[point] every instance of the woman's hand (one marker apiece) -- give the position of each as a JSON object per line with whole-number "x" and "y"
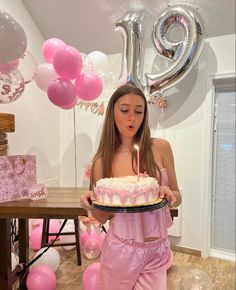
{"x": 168, "y": 194}
{"x": 86, "y": 200}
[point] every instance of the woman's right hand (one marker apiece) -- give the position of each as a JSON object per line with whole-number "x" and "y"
{"x": 86, "y": 200}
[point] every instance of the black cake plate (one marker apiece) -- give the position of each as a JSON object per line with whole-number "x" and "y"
{"x": 159, "y": 203}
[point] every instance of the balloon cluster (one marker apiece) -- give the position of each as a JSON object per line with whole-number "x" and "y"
{"x": 67, "y": 75}
{"x": 17, "y": 65}
{"x": 42, "y": 275}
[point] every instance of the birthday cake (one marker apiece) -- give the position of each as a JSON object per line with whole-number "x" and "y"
{"x": 127, "y": 191}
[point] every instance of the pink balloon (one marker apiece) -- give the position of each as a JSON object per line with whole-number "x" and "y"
{"x": 50, "y": 47}
{"x": 90, "y": 279}
{"x": 88, "y": 86}
{"x": 72, "y": 105}
{"x": 54, "y": 227}
{"x": 42, "y": 277}
{"x": 67, "y": 62}
{"x": 40, "y": 268}
{"x": 101, "y": 238}
{"x": 85, "y": 236}
{"x": 61, "y": 92}
{"x": 35, "y": 238}
{"x": 91, "y": 248}
{"x": 9, "y": 66}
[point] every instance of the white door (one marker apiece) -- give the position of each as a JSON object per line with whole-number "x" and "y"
{"x": 223, "y": 172}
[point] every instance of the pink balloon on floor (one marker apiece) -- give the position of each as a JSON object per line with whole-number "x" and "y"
{"x": 50, "y": 47}
{"x": 85, "y": 236}
{"x": 35, "y": 238}
{"x": 90, "y": 279}
{"x": 91, "y": 248}
{"x": 101, "y": 238}
{"x": 42, "y": 277}
{"x": 88, "y": 86}
{"x": 54, "y": 227}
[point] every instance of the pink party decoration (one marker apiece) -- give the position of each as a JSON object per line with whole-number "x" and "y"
{"x": 50, "y": 47}
{"x": 90, "y": 279}
{"x": 61, "y": 92}
{"x": 85, "y": 236}
{"x": 12, "y": 86}
{"x": 91, "y": 248}
{"x": 54, "y": 227}
{"x": 35, "y": 238}
{"x": 88, "y": 86}
{"x": 67, "y": 62}
{"x": 101, "y": 238}
{"x": 42, "y": 277}
{"x": 72, "y": 105}
{"x": 9, "y": 66}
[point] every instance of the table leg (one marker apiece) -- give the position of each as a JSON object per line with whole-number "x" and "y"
{"x": 23, "y": 249}
{"x": 5, "y": 254}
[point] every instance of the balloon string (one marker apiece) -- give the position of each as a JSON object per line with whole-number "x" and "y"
{"x": 75, "y": 146}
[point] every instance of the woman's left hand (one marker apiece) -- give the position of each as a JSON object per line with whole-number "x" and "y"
{"x": 168, "y": 194}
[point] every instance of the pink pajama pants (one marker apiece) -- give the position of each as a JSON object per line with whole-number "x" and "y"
{"x": 130, "y": 265}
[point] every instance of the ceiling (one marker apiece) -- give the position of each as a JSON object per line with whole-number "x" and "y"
{"x": 89, "y": 25}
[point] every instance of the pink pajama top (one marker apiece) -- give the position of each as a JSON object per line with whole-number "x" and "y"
{"x": 137, "y": 226}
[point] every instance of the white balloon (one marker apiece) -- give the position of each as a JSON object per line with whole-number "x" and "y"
{"x": 50, "y": 258}
{"x": 44, "y": 74}
{"x": 98, "y": 59}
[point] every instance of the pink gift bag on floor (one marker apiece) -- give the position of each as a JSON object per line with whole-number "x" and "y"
{"x": 17, "y": 174}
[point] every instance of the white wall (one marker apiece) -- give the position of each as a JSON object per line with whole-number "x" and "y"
{"x": 36, "y": 119}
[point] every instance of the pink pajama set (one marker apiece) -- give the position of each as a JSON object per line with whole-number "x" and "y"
{"x": 129, "y": 263}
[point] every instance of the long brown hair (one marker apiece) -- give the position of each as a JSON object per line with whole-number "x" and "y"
{"x": 111, "y": 140}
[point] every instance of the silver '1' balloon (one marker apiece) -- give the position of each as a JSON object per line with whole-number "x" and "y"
{"x": 183, "y": 53}
{"x": 131, "y": 25}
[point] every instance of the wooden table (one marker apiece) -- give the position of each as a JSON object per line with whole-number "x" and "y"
{"x": 62, "y": 203}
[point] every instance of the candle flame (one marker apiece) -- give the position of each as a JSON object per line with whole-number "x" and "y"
{"x": 136, "y": 147}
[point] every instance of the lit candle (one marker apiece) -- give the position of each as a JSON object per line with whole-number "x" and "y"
{"x": 138, "y": 160}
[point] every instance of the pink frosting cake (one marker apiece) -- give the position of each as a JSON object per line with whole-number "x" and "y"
{"x": 127, "y": 191}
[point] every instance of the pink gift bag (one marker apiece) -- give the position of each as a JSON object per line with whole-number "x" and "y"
{"x": 17, "y": 174}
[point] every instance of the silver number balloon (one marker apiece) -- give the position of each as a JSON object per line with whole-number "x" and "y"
{"x": 183, "y": 53}
{"x": 131, "y": 27}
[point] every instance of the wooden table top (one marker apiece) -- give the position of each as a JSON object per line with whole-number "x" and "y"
{"x": 62, "y": 202}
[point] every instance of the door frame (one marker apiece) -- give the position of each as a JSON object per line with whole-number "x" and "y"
{"x": 213, "y": 81}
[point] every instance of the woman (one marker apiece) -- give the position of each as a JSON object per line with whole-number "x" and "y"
{"x": 127, "y": 263}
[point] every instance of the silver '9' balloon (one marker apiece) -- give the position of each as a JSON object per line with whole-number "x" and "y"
{"x": 131, "y": 27}
{"x": 183, "y": 53}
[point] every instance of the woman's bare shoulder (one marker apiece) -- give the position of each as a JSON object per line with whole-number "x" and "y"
{"x": 160, "y": 144}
